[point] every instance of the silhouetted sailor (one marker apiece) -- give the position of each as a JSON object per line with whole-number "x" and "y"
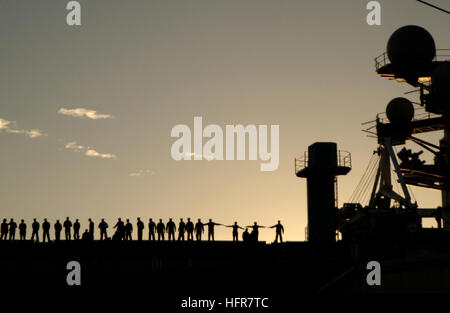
{"x": 120, "y": 232}
{"x": 235, "y": 231}
{"x": 12, "y": 229}
{"x": 171, "y": 229}
{"x": 161, "y": 229}
{"x": 255, "y": 231}
{"x": 35, "y": 227}
{"x": 67, "y": 227}
{"x": 211, "y": 225}
{"x": 128, "y": 230}
{"x": 58, "y": 229}
{"x": 140, "y": 228}
{"x": 91, "y": 229}
{"x": 103, "y": 226}
{"x": 279, "y": 231}
{"x": 246, "y": 236}
{"x": 76, "y": 230}
{"x": 199, "y": 229}
{"x": 151, "y": 230}
{"x": 86, "y": 235}
{"x": 22, "y": 230}
{"x": 181, "y": 230}
{"x": 190, "y": 229}
{"x": 45, "y": 230}
{"x": 4, "y": 230}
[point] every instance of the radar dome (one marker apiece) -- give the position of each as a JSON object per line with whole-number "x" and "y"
{"x": 440, "y": 78}
{"x": 411, "y": 44}
{"x": 400, "y": 110}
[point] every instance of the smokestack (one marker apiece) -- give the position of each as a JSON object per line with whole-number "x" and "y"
{"x": 324, "y": 162}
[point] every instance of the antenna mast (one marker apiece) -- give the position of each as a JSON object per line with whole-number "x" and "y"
{"x": 434, "y": 6}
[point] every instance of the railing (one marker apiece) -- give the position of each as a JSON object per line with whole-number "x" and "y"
{"x": 344, "y": 159}
{"x": 381, "y": 61}
{"x": 441, "y": 55}
{"x": 419, "y": 114}
{"x": 301, "y": 162}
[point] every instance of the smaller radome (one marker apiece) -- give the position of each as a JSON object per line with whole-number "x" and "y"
{"x": 400, "y": 110}
{"x": 411, "y": 44}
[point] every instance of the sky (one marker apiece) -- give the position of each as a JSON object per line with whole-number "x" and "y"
{"x": 86, "y": 111}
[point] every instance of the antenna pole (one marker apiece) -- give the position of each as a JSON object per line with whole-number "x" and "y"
{"x": 433, "y": 6}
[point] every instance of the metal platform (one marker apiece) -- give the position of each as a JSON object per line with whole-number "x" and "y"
{"x": 344, "y": 163}
{"x": 421, "y": 72}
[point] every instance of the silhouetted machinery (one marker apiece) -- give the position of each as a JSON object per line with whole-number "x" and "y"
{"x": 389, "y": 215}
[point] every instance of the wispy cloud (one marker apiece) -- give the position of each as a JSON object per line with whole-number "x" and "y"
{"x": 93, "y": 153}
{"x": 34, "y": 133}
{"x": 84, "y": 113}
{"x": 31, "y": 133}
{"x": 72, "y": 145}
{"x": 141, "y": 173}
{"x": 4, "y": 124}
{"x": 88, "y": 151}
{"x": 10, "y": 127}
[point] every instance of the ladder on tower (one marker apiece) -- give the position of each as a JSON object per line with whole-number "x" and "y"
{"x": 336, "y": 202}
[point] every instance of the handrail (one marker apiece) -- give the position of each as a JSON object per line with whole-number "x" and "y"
{"x": 441, "y": 55}
{"x": 301, "y": 162}
{"x": 344, "y": 159}
{"x": 419, "y": 115}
